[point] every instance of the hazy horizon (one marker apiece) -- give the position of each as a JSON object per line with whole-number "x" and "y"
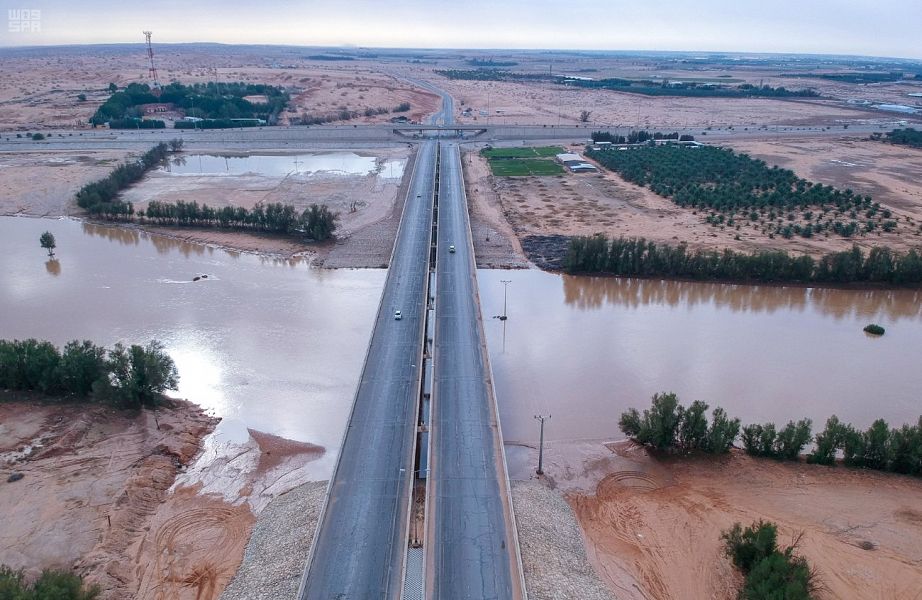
{"x": 884, "y": 29}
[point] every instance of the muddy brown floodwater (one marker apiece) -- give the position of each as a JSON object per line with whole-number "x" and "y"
{"x": 584, "y": 349}
{"x": 269, "y": 345}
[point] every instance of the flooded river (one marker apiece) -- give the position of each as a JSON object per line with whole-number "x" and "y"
{"x": 270, "y": 345}
{"x": 278, "y": 347}
{"x": 584, "y": 349}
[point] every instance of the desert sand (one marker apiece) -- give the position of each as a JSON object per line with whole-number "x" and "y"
{"x": 39, "y": 88}
{"x": 43, "y": 184}
{"x": 549, "y": 104}
{"x": 652, "y": 525}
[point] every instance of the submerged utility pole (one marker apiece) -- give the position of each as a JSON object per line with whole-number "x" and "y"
{"x": 505, "y": 283}
{"x": 540, "y": 470}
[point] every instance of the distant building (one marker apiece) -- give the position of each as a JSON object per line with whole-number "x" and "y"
{"x": 153, "y": 108}
{"x": 575, "y": 163}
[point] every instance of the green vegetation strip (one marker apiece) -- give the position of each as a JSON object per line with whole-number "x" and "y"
{"x": 669, "y": 426}
{"x": 521, "y": 162}
{"x": 647, "y": 87}
{"x": 131, "y": 377}
{"x": 638, "y": 257}
{"x": 524, "y": 166}
{"x": 539, "y": 152}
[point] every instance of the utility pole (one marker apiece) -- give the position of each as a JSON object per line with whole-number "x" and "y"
{"x": 505, "y": 283}
{"x": 540, "y": 470}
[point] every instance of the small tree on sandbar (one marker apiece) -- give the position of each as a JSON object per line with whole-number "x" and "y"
{"x": 48, "y": 243}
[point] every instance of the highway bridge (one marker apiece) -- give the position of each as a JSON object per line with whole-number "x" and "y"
{"x": 363, "y": 546}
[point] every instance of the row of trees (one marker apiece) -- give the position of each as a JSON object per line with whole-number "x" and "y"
{"x": 638, "y": 257}
{"x": 720, "y": 179}
{"x": 51, "y": 584}
{"x": 216, "y": 124}
{"x": 638, "y": 137}
{"x": 136, "y": 123}
{"x": 316, "y": 222}
{"x": 101, "y": 197}
{"x": 693, "y": 89}
{"x": 879, "y": 447}
{"x": 132, "y": 376}
{"x": 771, "y": 572}
{"x": 668, "y": 425}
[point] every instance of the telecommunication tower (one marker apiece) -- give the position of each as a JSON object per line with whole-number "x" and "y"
{"x": 152, "y": 70}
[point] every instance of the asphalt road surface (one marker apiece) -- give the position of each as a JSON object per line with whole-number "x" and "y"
{"x": 471, "y": 545}
{"x": 361, "y": 542}
{"x": 339, "y": 136}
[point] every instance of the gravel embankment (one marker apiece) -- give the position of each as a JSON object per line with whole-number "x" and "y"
{"x": 553, "y": 554}
{"x": 278, "y": 549}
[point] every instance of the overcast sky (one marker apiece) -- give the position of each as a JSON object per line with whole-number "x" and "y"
{"x": 866, "y": 27}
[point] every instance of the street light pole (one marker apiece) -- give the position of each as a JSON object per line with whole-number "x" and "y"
{"x": 540, "y": 470}
{"x": 505, "y": 283}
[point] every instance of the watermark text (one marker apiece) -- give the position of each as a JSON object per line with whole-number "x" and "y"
{"x": 24, "y": 20}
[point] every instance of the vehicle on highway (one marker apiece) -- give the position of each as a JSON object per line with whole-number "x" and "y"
{"x": 451, "y": 248}
{"x": 397, "y": 315}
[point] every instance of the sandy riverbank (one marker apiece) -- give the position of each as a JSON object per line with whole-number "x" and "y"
{"x": 652, "y": 525}
{"x": 130, "y": 501}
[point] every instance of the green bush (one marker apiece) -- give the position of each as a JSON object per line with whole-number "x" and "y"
{"x": 874, "y": 329}
{"x": 771, "y": 573}
{"x": 658, "y": 425}
{"x": 780, "y": 576}
{"x": 790, "y": 441}
{"x": 759, "y": 440}
{"x": 722, "y": 433}
{"x": 827, "y": 442}
{"x": 748, "y": 546}
{"x": 667, "y": 425}
{"x": 52, "y": 584}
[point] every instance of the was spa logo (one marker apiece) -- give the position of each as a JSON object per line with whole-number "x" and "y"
{"x": 24, "y": 20}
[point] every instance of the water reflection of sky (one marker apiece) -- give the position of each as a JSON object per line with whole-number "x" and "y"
{"x": 585, "y": 349}
{"x": 338, "y": 163}
{"x": 267, "y": 344}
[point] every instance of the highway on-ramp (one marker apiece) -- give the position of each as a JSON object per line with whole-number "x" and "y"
{"x": 360, "y": 545}
{"x": 472, "y": 551}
